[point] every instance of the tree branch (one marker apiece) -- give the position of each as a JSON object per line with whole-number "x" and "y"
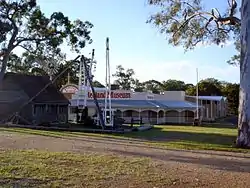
{"x": 18, "y": 42}
{"x": 26, "y": 49}
{"x": 229, "y": 20}
{"x": 15, "y": 30}
{"x": 10, "y": 46}
{"x": 226, "y": 21}
{"x": 233, "y": 6}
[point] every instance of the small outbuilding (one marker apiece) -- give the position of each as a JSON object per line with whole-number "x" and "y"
{"x": 31, "y": 99}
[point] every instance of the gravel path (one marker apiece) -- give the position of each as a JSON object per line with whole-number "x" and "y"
{"x": 208, "y": 168}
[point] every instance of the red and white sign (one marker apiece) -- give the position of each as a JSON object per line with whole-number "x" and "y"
{"x": 69, "y": 89}
{"x": 114, "y": 95}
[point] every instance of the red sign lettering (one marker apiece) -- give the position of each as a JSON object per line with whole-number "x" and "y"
{"x": 113, "y": 95}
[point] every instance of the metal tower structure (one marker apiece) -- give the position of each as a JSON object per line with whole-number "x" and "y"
{"x": 83, "y": 82}
{"x": 108, "y": 112}
{"x": 197, "y": 94}
{"x": 88, "y": 78}
{"x": 106, "y": 116}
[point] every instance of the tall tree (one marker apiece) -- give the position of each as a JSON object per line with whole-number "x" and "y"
{"x": 186, "y": 23}
{"x": 24, "y": 25}
{"x": 138, "y": 86}
{"x": 27, "y": 64}
{"x": 98, "y": 84}
{"x": 71, "y": 72}
{"x": 243, "y": 139}
{"x": 124, "y": 78}
{"x": 231, "y": 92}
{"x": 154, "y": 86}
{"x": 189, "y": 89}
{"x": 207, "y": 87}
{"x": 174, "y": 85}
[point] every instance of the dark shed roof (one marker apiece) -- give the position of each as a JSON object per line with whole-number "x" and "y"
{"x": 31, "y": 85}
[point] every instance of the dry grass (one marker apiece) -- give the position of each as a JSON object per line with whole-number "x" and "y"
{"x": 46, "y": 169}
{"x": 94, "y": 161}
{"x": 173, "y": 137}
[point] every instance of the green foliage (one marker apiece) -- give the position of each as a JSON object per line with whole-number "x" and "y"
{"x": 71, "y": 72}
{"x": 124, "y": 78}
{"x": 23, "y": 24}
{"x": 139, "y": 87}
{"x": 232, "y": 92}
{"x": 28, "y": 65}
{"x": 174, "y": 85}
{"x": 207, "y": 87}
{"x": 97, "y": 84}
{"x": 153, "y": 85}
{"x": 15, "y": 64}
{"x": 235, "y": 60}
{"x": 211, "y": 86}
{"x": 187, "y": 23}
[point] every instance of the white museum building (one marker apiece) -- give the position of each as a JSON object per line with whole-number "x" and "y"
{"x": 168, "y": 107}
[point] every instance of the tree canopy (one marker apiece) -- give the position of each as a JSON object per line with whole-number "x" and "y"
{"x": 24, "y": 25}
{"x": 207, "y": 87}
{"x": 188, "y": 23}
{"x": 124, "y": 78}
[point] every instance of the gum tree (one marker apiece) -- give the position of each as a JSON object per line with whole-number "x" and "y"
{"x": 188, "y": 23}
{"x": 24, "y": 25}
{"x": 243, "y": 139}
{"x": 124, "y": 77}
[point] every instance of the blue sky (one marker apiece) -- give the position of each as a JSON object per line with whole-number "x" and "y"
{"x": 135, "y": 44}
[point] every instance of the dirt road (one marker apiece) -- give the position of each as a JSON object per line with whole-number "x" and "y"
{"x": 210, "y": 168}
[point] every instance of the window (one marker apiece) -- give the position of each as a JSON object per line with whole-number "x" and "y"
{"x": 52, "y": 109}
{"x": 128, "y": 113}
{"x": 63, "y": 109}
{"x": 150, "y": 97}
{"x": 39, "y": 109}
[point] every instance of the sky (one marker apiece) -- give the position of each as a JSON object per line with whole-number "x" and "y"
{"x": 138, "y": 45}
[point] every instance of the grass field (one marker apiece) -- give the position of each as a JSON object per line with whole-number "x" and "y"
{"x": 116, "y": 165}
{"x": 45, "y": 169}
{"x": 217, "y": 137}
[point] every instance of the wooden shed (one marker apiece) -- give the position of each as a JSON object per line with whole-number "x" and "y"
{"x": 21, "y": 94}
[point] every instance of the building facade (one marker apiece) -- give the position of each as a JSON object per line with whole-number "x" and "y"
{"x": 33, "y": 99}
{"x": 214, "y": 107}
{"x": 168, "y": 107}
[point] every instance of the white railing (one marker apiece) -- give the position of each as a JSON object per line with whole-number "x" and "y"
{"x": 161, "y": 120}
{"x": 152, "y": 120}
{"x": 72, "y": 117}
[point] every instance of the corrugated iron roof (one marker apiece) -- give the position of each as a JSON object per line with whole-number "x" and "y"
{"x": 209, "y": 98}
{"x": 117, "y": 103}
{"x": 140, "y": 103}
{"x": 31, "y": 85}
{"x": 178, "y": 104}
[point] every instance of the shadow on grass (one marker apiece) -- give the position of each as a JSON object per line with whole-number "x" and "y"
{"x": 212, "y": 160}
{"x": 24, "y": 182}
{"x": 219, "y": 125}
{"x": 211, "y": 125}
{"x": 157, "y": 134}
{"x": 231, "y": 165}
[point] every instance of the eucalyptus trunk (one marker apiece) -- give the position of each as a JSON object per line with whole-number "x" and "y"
{"x": 4, "y": 65}
{"x": 243, "y": 139}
